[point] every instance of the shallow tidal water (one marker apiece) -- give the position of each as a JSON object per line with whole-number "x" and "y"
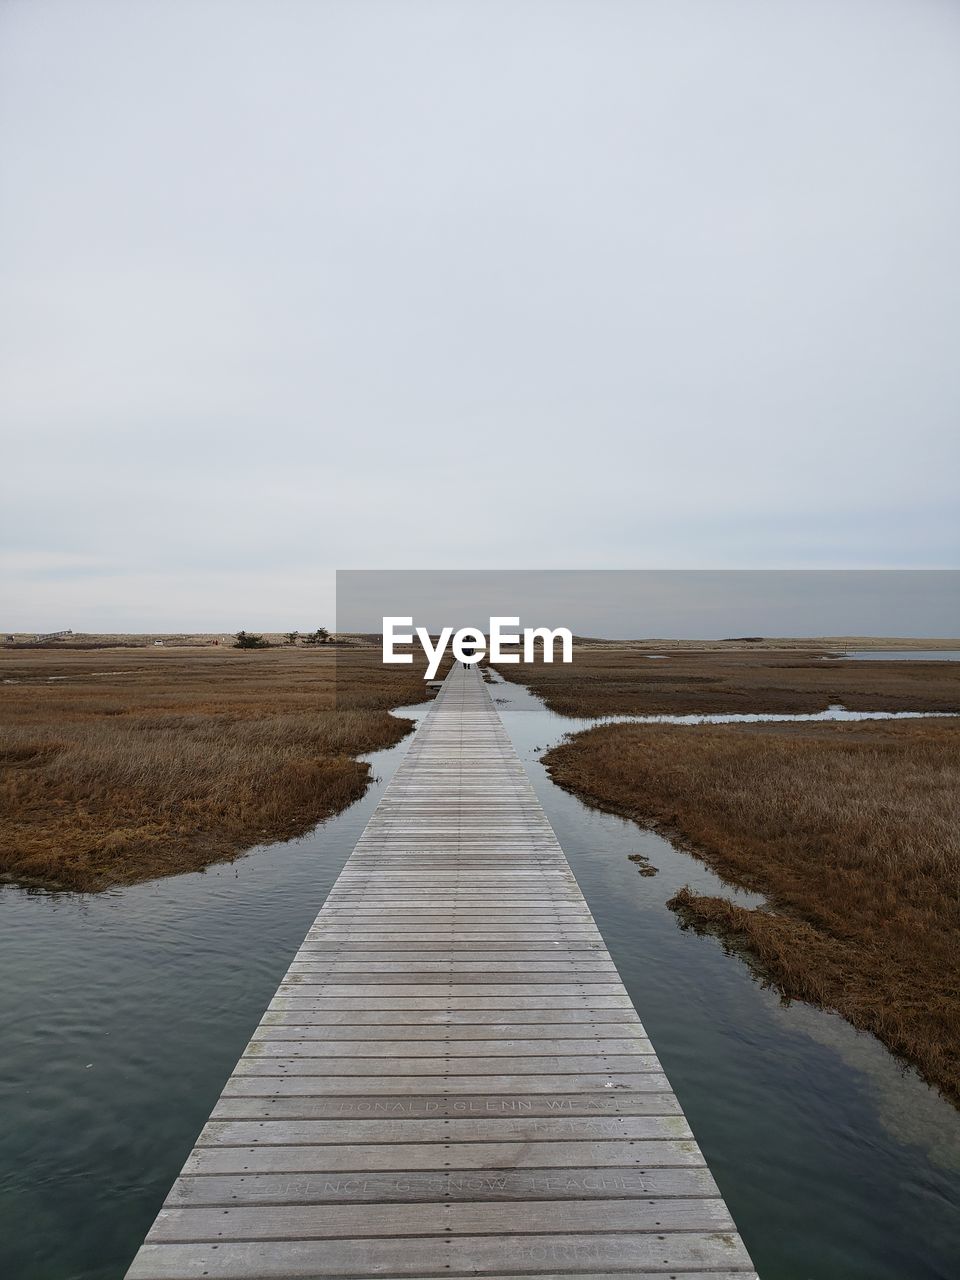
{"x": 121, "y": 1015}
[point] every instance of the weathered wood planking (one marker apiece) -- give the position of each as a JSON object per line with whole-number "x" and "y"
{"x": 451, "y": 1079}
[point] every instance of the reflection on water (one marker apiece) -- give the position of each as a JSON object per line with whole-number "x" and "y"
{"x": 123, "y": 1013}
{"x": 913, "y": 1116}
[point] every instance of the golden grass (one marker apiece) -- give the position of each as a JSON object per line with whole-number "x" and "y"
{"x": 121, "y": 765}
{"x": 606, "y": 681}
{"x": 852, "y": 831}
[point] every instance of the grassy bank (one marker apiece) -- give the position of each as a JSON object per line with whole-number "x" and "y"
{"x": 607, "y": 680}
{"x": 120, "y": 765}
{"x": 852, "y": 831}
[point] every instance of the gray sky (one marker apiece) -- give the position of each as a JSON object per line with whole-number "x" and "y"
{"x": 289, "y": 286}
{"x": 639, "y": 603}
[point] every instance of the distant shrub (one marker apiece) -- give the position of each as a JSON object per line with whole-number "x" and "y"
{"x": 246, "y": 640}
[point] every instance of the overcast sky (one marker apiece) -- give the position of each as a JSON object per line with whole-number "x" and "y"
{"x": 291, "y": 285}
{"x": 642, "y": 604}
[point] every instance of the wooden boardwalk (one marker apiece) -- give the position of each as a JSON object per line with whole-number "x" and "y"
{"x": 451, "y": 1079}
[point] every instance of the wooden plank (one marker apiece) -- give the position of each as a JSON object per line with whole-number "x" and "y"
{"x": 578, "y": 1254}
{"x": 256, "y": 1063}
{"x": 251, "y": 1085}
{"x": 372, "y": 1157}
{"x": 360, "y": 948}
{"x": 301, "y": 1131}
{"x": 451, "y": 1105}
{"x": 301, "y": 997}
{"x": 415, "y": 1185}
{"x": 394, "y": 1041}
{"x": 505, "y": 991}
{"x": 451, "y": 1079}
{"x": 399, "y": 1218}
{"x": 300, "y": 1039}
{"x": 386, "y": 973}
{"x": 433, "y": 1021}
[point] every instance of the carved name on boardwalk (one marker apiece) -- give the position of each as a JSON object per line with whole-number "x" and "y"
{"x": 451, "y": 1079}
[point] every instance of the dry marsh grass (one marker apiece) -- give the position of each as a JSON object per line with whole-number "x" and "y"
{"x": 117, "y": 766}
{"x": 608, "y": 681}
{"x": 852, "y": 831}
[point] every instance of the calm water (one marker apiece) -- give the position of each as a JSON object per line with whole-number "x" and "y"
{"x": 834, "y": 712}
{"x": 122, "y": 1015}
